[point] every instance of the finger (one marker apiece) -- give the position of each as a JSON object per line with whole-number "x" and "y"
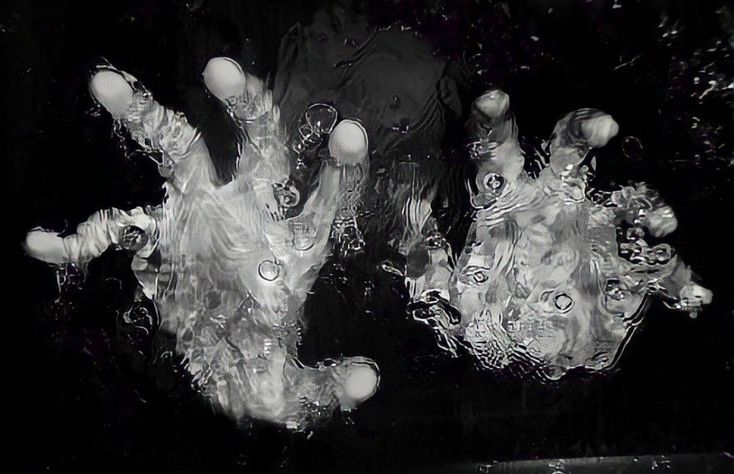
{"x": 225, "y": 79}
{"x": 349, "y": 149}
{"x": 495, "y": 148}
{"x": 153, "y": 126}
{"x": 576, "y": 134}
{"x": 685, "y": 292}
{"x": 45, "y": 246}
{"x": 113, "y": 90}
{"x": 660, "y": 220}
{"x": 641, "y": 205}
{"x": 91, "y": 239}
{"x": 337, "y": 192}
{"x": 491, "y": 117}
{"x": 264, "y": 157}
{"x": 244, "y": 95}
{"x": 357, "y": 379}
{"x": 348, "y": 143}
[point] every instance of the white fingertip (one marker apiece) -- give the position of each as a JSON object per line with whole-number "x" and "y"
{"x": 45, "y": 246}
{"x": 348, "y": 143}
{"x": 224, "y": 78}
{"x": 110, "y": 89}
{"x": 599, "y": 130}
{"x": 494, "y": 103}
{"x": 361, "y": 383}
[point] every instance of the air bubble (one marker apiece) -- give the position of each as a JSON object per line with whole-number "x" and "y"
{"x": 268, "y": 270}
{"x": 494, "y": 183}
{"x": 563, "y": 302}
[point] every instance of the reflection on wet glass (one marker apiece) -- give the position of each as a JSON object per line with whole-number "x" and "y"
{"x": 549, "y": 280}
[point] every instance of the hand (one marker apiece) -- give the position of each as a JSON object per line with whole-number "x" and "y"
{"x": 251, "y": 242}
{"x": 548, "y": 280}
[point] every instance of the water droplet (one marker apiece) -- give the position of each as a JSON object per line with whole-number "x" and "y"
{"x": 268, "y": 270}
{"x": 494, "y": 183}
{"x": 563, "y": 302}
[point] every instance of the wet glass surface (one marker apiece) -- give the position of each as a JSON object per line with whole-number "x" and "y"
{"x": 520, "y": 289}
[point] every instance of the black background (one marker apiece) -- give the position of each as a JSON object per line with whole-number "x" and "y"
{"x": 77, "y": 403}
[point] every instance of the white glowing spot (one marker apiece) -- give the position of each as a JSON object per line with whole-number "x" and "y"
{"x": 224, "y": 78}
{"x": 494, "y": 103}
{"x": 361, "y": 383}
{"x": 111, "y": 90}
{"x": 348, "y": 143}
{"x": 599, "y": 130}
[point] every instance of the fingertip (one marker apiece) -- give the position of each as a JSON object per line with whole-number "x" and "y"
{"x": 348, "y": 142}
{"x": 599, "y": 130}
{"x": 493, "y": 103}
{"x": 224, "y": 78}
{"x": 112, "y": 91}
{"x": 42, "y": 245}
{"x": 361, "y": 383}
{"x": 33, "y": 241}
{"x": 27, "y": 243}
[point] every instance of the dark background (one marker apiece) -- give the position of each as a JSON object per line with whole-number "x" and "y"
{"x": 78, "y": 401}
